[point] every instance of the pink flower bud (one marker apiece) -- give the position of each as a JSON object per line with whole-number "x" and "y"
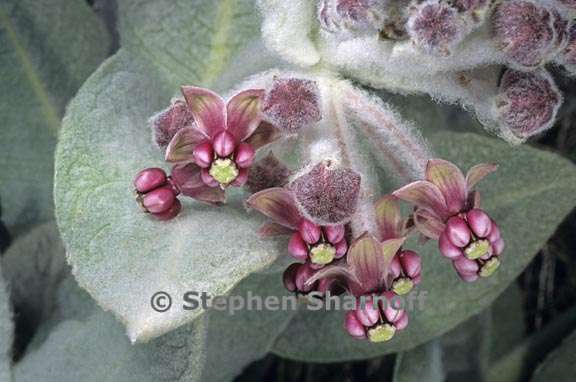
{"x": 369, "y": 314}
{"x": 498, "y": 247}
{"x": 303, "y": 274}
{"x": 341, "y": 248}
{"x": 292, "y": 103}
{"x": 242, "y": 178}
{"x": 327, "y": 194}
{"x": 353, "y": 15}
{"x": 309, "y": 231}
{"x": 207, "y": 178}
{"x": 411, "y": 263}
{"x": 465, "y": 266}
{"x": 435, "y": 27}
{"x": 448, "y": 249}
{"x": 203, "y": 154}
{"x": 159, "y": 200}
{"x": 480, "y": 222}
{"x": 527, "y": 102}
{"x": 224, "y": 143}
{"x": 297, "y": 247}
{"x": 334, "y": 233}
{"x": 524, "y": 31}
{"x": 457, "y": 231}
{"x": 244, "y": 155}
{"x": 149, "y": 179}
{"x": 353, "y": 326}
{"x": 171, "y": 212}
{"x": 289, "y": 277}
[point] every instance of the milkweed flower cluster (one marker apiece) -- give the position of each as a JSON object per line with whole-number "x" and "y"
{"x": 342, "y": 238}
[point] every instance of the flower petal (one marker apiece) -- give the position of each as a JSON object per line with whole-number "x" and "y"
{"x": 273, "y": 229}
{"x": 423, "y": 194}
{"x": 450, "y": 181}
{"x": 388, "y": 217}
{"x": 181, "y": 147}
{"x": 367, "y": 262}
{"x": 264, "y": 134}
{"x": 478, "y": 172}
{"x": 428, "y": 224}
{"x": 244, "y": 113}
{"x": 189, "y": 180}
{"x": 208, "y": 109}
{"x": 278, "y": 204}
{"x": 335, "y": 271}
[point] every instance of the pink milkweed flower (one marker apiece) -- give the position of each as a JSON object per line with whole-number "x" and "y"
{"x": 224, "y": 136}
{"x": 406, "y": 265}
{"x": 308, "y": 241}
{"x": 366, "y": 273}
{"x": 448, "y": 210}
{"x": 157, "y": 194}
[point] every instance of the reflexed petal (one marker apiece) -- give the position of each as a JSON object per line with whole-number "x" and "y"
{"x": 428, "y": 224}
{"x": 336, "y": 271}
{"x": 273, "y": 229}
{"x": 478, "y": 172}
{"x": 278, "y": 204}
{"x": 181, "y": 147}
{"x": 369, "y": 260}
{"x": 244, "y": 113}
{"x": 388, "y": 217}
{"x": 425, "y": 195}
{"x": 208, "y": 109}
{"x": 188, "y": 178}
{"x": 450, "y": 181}
{"x": 264, "y": 134}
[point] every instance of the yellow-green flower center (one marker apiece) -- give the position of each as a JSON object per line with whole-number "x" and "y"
{"x": 489, "y": 267}
{"x": 402, "y": 286}
{"x": 477, "y": 249}
{"x": 223, "y": 170}
{"x": 322, "y": 254}
{"x": 381, "y": 333}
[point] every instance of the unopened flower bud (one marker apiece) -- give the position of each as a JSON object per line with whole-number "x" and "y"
{"x": 525, "y": 32}
{"x": 167, "y": 123}
{"x": 527, "y": 103}
{"x": 156, "y": 194}
{"x": 149, "y": 179}
{"x": 327, "y": 194}
{"x": 292, "y": 103}
{"x": 436, "y": 27}
{"x": 365, "y": 16}
{"x": 295, "y": 278}
{"x": 266, "y": 173}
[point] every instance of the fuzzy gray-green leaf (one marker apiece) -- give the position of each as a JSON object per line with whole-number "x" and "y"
{"x": 48, "y": 48}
